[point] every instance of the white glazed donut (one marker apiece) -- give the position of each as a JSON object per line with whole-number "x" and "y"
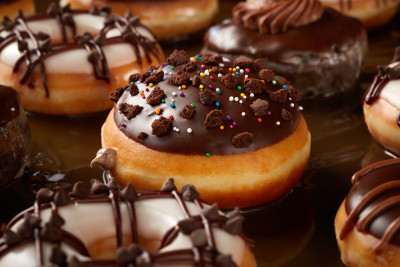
{"x": 109, "y": 225}
{"x": 67, "y": 62}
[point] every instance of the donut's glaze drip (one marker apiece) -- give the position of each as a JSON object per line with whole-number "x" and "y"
{"x": 206, "y": 255}
{"x": 274, "y": 16}
{"x": 42, "y": 48}
{"x": 385, "y": 74}
{"x": 238, "y": 119}
{"x": 373, "y": 203}
{"x": 9, "y": 106}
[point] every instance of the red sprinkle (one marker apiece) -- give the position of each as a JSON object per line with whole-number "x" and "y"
{"x": 171, "y": 117}
{"x": 259, "y": 120}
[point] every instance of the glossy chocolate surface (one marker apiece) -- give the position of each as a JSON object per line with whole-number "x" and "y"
{"x": 9, "y": 105}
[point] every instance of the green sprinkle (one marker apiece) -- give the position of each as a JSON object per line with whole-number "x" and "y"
{"x": 163, "y": 100}
{"x": 193, "y": 105}
{"x": 132, "y": 82}
{"x": 208, "y": 155}
{"x": 172, "y": 67}
{"x": 277, "y": 79}
{"x": 239, "y": 87}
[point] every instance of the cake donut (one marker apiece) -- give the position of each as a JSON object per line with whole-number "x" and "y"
{"x": 381, "y": 105}
{"x": 66, "y": 62}
{"x": 14, "y": 136}
{"x": 167, "y": 19}
{"x": 372, "y": 13}
{"x": 367, "y": 223}
{"x": 12, "y": 7}
{"x": 318, "y": 49}
{"x": 105, "y": 226}
{"x": 233, "y": 129}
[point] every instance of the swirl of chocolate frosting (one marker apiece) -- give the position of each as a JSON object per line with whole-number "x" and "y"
{"x": 276, "y": 16}
{"x": 373, "y": 203}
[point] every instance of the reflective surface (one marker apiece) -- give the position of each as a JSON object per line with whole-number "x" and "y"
{"x": 296, "y": 230}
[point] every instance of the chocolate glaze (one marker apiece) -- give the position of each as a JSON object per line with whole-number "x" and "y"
{"x": 14, "y": 136}
{"x": 373, "y": 203}
{"x": 202, "y": 139}
{"x": 304, "y": 55}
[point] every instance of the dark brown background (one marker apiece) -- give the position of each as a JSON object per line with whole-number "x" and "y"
{"x": 296, "y": 230}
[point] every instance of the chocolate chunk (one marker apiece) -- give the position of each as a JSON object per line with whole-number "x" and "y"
{"x": 294, "y": 94}
{"x": 129, "y": 193}
{"x": 229, "y": 81}
{"x": 105, "y": 158}
{"x": 169, "y": 185}
{"x": 144, "y": 76}
{"x": 56, "y": 219}
{"x": 196, "y": 81}
{"x": 396, "y": 56}
{"x": 188, "y": 112}
{"x": 245, "y": 62}
{"x": 10, "y": 237}
{"x": 179, "y": 78}
{"x": 187, "y": 225}
{"x": 235, "y": 212}
{"x": 100, "y": 40}
{"x": 266, "y": 75}
{"x": 98, "y": 187}
{"x": 224, "y": 260}
{"x": 58, "y": 257}
{"x": 51, "y": 233}
{"x": 286, "y": 115}
{"x": 134, "y": 77}
{"x": 392, "y": 73}
{"x": 80, "y": 190}
{"x": 151, "y": 68}
{"x": 214, "y": 118}
{"x": 254, "y": 86}
{"x": 124, "y": 256}
{"x": 142, "y": 135}
{"x": 208, "y": 59}
{"x": 44, "y": 195}
{"x": 177, "y": 58}
{"x": 221, "y": 70}
{"x": 199, "y": 238}
{"x": 42, "y": 36}
{"x": 133, "y": 89}
{"x": 279, "y": 96}
{"x": 189, "y": 67}
{"x": 61, "y": 197}
{"x": 189, "y": 192}
{"x": 135, "y": 250}
{"x": 112, "y": 184}
{"x": 156, "y": 96}
{"x": 234, "y": 226}
{"x": 161, "y": 126}
{"x": 260, "y": 107}
{"x": 155, "y": 78}
{"x": 242, "y": 140}
{"x": 130, "y": 111}
{"x": 114, "y": 96}
{"x": 208, "y": 96}
{"x": 28, "y": 225}
{"x": 381, "y": 70}
{"x": 45, "y": 46}
{"x": 211, "y": 212}
{"x": 258, "y": 65}
{"x": 94, "y": 10}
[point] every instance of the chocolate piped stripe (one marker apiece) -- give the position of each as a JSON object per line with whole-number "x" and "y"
{"x": 370, "y": 196}
{"x": 181, "y": 204}
{"x": 390, "y": 232}
{"x": 207, "y": 227}
{"x": 38, "y": 243}
{"x": 117, "y": 217}
{"x": 133, "y": 222}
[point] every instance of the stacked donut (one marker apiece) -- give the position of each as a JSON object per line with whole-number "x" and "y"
{"x": 105, "y": 226}
{"x": 12, "y": 7}
{"x": 66, "y": 62}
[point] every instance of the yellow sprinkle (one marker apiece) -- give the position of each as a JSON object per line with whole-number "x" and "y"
{"x": 202, "y": 74}
{"x": 242, "y": 94}
{"x": 158, "y": 111}
{"x": 221, "y": 127}
{"x": 194, "y": 60}
{"x": 201, "y": 86}
{"x": 234, "y": 69}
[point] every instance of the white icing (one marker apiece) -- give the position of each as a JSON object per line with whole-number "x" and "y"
{"x": 391, "y": 91}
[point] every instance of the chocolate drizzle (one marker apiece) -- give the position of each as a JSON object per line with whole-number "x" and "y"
{"x": 36, "y": 47}
{"x": 373, "y": 203}
{"x": 197, "y": 256}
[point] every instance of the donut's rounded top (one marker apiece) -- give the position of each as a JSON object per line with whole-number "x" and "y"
{"x": 373, "y": 203}
{"x": 207, "y": 106}
{"x": 9, "y": 105}
{"x": 275, "y": 16}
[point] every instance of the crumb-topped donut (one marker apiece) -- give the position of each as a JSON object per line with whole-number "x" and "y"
{"x": 382, "y": 105}
{"x": 12, "y": 7}
{"x": 372, "y": 13}
{"x": 318, "y": 49}
{"x": 14, "y": 136}
{"x": 105, "y": 226}
{"x": 233, "y": 129}
{"x": 66, "y": 62}
{"x": 167, "y": 19}
{"x": 368, "y": 221}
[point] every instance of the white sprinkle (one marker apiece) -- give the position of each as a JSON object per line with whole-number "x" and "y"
{"x": 217, "y": 90}
{"x": 236, "y": 99}
{"x": 240, "y": 101}
{"x": 179, "y": 87}
{"x": 237, "y": 68}
{"x": 207, "y": 72}
{"x": 219, "y": 75}
{"x": 300, "y": 108}
{"x": 246, "y": 76}
{"x": 244, "y": 97}
{"x": 243, "y": 114}
{"x": 273, "y": 82}
{"x": 172, "y": 100}
{"x": 176, "y": 129}
{"x": 231, "y": 98}
{"x": 191, "y": 59}
{"x": 170, "y": 73}
{"x": 292, "y": 105}
{"x": 174, "y": 93}
{"x": 12, "y": 109}
{"x": 241, "y": 71}
{"x": 290, "y": 99}
{"x": 251, "y": 95}
{"x": 189, "y": 130}
{"x": 221, "y": 65}
{"x": 278, "y": 123}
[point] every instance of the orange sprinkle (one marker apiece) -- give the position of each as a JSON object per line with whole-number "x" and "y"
{"x": 221, "y": 127}
{"x": 158, "y": 111}
{"x": 183, "y": 86}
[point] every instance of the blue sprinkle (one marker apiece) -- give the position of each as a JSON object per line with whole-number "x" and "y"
{"x": 172, "y": 105}
{"x": 219, "y": 91}
{"x": 237, "y": 73}
{"x": 284, "y": 87}
{"x": 197, "y": 58}
{"x": 127, "y": 89}
{"x": 217, "y": 104}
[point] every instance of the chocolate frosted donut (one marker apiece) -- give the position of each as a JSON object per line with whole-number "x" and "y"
{"x": 14, "y": 136}
{"x": 368, "y": 222}
{"x": 223, "y": 126}
{"x": 318, "y": 49}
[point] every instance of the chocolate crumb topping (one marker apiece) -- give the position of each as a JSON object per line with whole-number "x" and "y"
{"x": 218, "y": 70}
{"x": 295, "y": 94}
{"x": 279, "y": 96}
{"x": 254, "y": 86}
{"x": 169, "y": 185}
{"x": 260, "y": 107}
{"x": 189, "y": 67}
{"x": 129, "y": 110}
{"x": 114, "y": 96}
{"x": 242, "y": 140}
{"x": 229, "y": 81}
{"x": 189, "y": 192}
{"x": 211, "y": 60}
{"x": 177, "y": 58}
{"x": 214, "y": 118}
{"x": 207, "y": 96}
{"x": 188, "y": 112}
{"x": 155, "y": 96}
{"x": 286, "y": 115}
{"x": 187, "y": 225}
{"x": 196, "y": 81}
{"x": 199, "y": 238}
{"x": 266, "y": 75}
{"x": 179, "y": 78}
{"x": 161, "y": 126}
{"x": 245, "y": 62}
{"x": 135, "y": 77}
{"x": 133, "y": 89}
{"x": 142, "y": 135}
{"x": 155, "y": 78}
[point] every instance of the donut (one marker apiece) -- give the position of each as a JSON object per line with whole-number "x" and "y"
{"x": 319, "y": 50}
{"x": 105, "y": 226}
{"x": 381, "y": 105}
{"x": 367, "y": 222}
{"x": 12, "y": 7}
{"x": 14, "y": 136}
{"x": 372, "y": 13}
{"x": 231, "y": 128}
{"x": 66, "y": 62}
{"x": 167, "y": 19}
